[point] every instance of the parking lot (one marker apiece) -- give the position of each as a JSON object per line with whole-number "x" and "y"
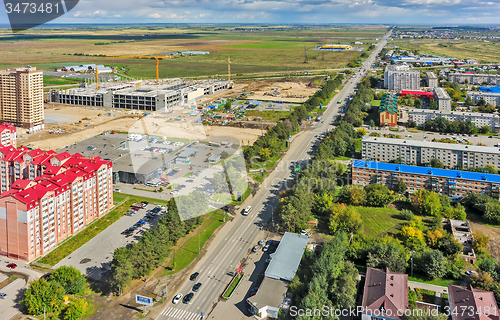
{"x": 94, "y": 258}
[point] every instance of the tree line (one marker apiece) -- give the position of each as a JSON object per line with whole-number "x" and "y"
{"x": 140, "y": 258}
{"x": 441, "y": 124}
{"x": 274, "y": 140}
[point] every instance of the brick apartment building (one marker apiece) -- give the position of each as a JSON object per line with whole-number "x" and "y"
{"x": 422, "y": 152}
{"x": 8, "y": 135}
{"x": 21, "y": 98}
{"x": 47, "y": 197}
{"x": 453, "y": 183}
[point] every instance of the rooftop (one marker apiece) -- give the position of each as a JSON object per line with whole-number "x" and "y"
{"x": 431, "y": 75}
{"x": 450, "y": 174}
{"x": 458, "y": 113}
{"x": 385, "y": 290}
{"x": 430, "y": 144}
{"x": 441, "y": 93}
{"x": 286, "y": 259}
{"x": 270, "y": 293}
{"x": 482, "y": 302}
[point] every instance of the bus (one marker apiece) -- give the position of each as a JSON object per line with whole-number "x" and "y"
{"x": 340, "y": 101}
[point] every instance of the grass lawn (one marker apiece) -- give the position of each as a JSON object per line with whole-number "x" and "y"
{"x": 188, "y": 175}
{"x": 55, "y": 81}
{"x": 378, "y": 220}
{"x": 438, "y": 282}
{"x": 234, "y": 283}
{"x": 342, "y": 158}
{"x": 189, "y": 252}
{"x": 268, "y": 115}
{"x": 143, "y": 189}
{"x": 357, "y": 145}
{"x": 376, "y": 103}
{"x": 224, "y": 198}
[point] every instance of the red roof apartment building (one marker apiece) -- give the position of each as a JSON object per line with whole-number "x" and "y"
{"x": 472, "y": 304}
{"x": 8, "y": 135}
{"x": 385, "y": 295}
{"x": 47, "y": 197}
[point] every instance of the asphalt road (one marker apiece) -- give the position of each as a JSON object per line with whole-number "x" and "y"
{"x": 8, "y": 305}
{"x": 237, "y": 237}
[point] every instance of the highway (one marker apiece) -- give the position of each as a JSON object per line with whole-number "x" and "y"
{"x": 237, "y": 237}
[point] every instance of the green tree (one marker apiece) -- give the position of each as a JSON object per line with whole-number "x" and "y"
{"x": 417, "y": 103}
{"x": 485, "y": 129}
{"x": 426, "y": 202}
{"x": 352, "y": 195}
{"x": 265, "y": 154}
{"x": 227, "y": 105}
{"x": 435, "y": 163}
{"x": 344, "y": 218}
{"x": 121, "y": 269}
{"x": 70, "y": 278}
{"x": 412, "y": 237}
{"x": 431, "y": 263}
{"x": 75, "y": 310}
{"x": 490, "y": 266}
{"x": 378, "y": 195}
{"x": 42, "y": 293}
{"x": 390, "y": 255}
{"x": 400, "y": 187}
{"x": 372, "y": 123}
{"x": 224, "y": 155}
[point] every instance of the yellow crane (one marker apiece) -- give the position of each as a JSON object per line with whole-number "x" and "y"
{"x": 96, "y": 78}
{"x": 157, "y": 62}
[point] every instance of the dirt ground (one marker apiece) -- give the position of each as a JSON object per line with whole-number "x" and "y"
{"x": 287, "y": 90}
{"x": 101, "y": 120}
{"x": 493, "y": 233}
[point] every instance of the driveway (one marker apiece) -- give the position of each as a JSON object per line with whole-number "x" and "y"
{"x": 94, "y": 258}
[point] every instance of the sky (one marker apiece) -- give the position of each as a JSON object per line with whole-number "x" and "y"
{"x": 427, "y": 12}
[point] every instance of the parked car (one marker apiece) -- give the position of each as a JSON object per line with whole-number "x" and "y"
{"x": 196, "y": 287}
{"x": 189, "y": 180}
{"x": 265, "y": 248}
{"x": 188, "y": 298}
{"x": 256, "y": 248}
{"x": 117, "y": 190}
{"x": 194, "y": 276}
{"x": 261, "y": 242}
{"x": 12, "y": 265}
{"x": 175, "y": 192}
{"x": 177, "y": 298}
{"x": 3, "y": 295}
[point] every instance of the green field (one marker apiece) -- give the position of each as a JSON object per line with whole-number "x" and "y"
{"x": 55, "y": 81}
{"x": 379, "y": 220}
{"x": 268, "y": 50}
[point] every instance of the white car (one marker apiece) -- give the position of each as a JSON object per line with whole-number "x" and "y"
{"x": 3, "y": 295}
{"x": 247, "y": 210}
{"x": 175, "y": 192}
{"x": 177, "y": 298}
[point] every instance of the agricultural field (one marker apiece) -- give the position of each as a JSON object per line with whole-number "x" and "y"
{"x": 268, "y": 50}
{"x": 481, "y": 50}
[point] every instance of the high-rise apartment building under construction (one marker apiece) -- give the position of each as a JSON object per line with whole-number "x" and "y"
{"x": 21, "y": 97}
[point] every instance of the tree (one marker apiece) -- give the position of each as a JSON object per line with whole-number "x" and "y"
{"x": 227, "y": 105}
{"x": 121, "y": 269}
{"x": 468, "y": 102}
{"x": 433, "y": 105}
{"x": 456, "y": 213}
{"x": 42, "y": 293}
{"x": 406, "y": 214}
{"x": 372, "y": 123}
{"x": 343, "y": 290}
{"x": 390, "y": 255}
{"x": 431, "y": 263}
{"x": 485, "y": 129}
{"x": 480, "y": 242}
{"x": 426, "y": 202}
{"x": 265, "y": 154}
{"x": 412, "y": 237}
{"x": 490, "y": 266}
{"x": 224, "y": 155}
{"x": 378, "y": 195}
{"x": 417, "y": 103}
{"x": 75, "y": 310}
{"x": 400, "y": 187}
{"x": 436, "y": 163}
{"x": 352, "y": 195}
{"x": 70, "y": 278}
{"x": 344, "y": 218}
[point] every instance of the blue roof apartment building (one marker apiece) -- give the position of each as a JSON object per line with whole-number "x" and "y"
{"x": 454, "y": 183}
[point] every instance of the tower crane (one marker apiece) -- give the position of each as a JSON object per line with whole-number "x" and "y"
{"x": 96, "y": 78}
{"x": 157, "y": 62}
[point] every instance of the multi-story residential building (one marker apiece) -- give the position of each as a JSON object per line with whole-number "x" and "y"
{"x": 400, "y": 77}
{"x": 474, "y": 78}
{"x": 48, "y": 197}
{"x": 492, "y": 98}
{"x": 472, "y": 304}
{"x": 388, "y": 110}
{"x": 21, "y": 97}
{"x": 452, "y": 183}
{"x": 431, "y": 79}
{"x": 385, "y": 295}
{"x": 442, "y": 99}
{"x": 420, "y": 116}
{"x": 8, "y": 135}
{"x": 421, "y": 152}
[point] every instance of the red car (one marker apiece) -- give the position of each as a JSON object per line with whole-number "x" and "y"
{"x": 12, "y": 265}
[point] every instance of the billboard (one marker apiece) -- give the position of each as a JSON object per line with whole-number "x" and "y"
{"x": 144, "y": 300}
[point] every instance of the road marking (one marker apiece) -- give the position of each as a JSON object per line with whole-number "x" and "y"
{"x": 174, "y": 313}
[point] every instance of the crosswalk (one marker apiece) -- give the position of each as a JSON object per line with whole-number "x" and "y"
{"x": 180, "y": 314}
